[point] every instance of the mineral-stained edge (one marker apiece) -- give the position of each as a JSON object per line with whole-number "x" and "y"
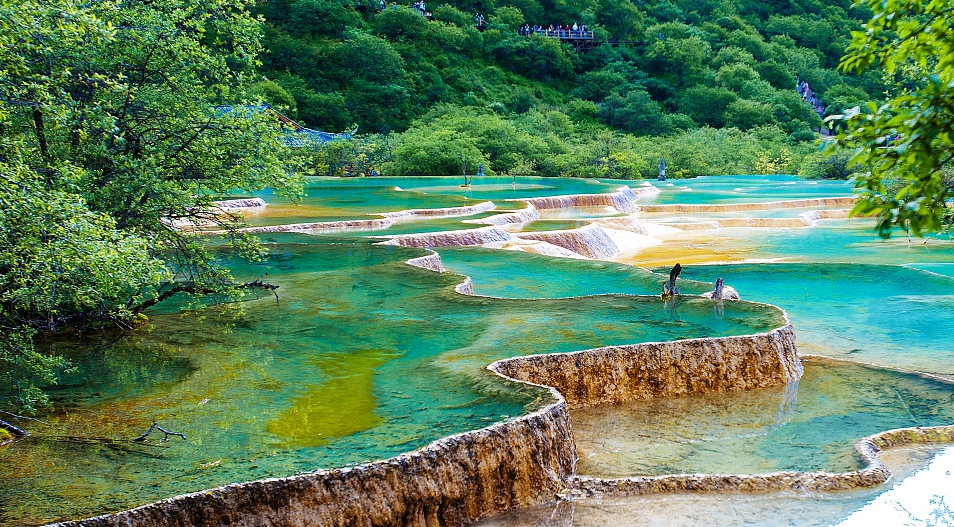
{"x": 452, "y": 481}
{"x": 615, "y": 374}
{"x": 465, "y": 477}
{"x": 868, "y": 448}
{"x": 431, "y": 262}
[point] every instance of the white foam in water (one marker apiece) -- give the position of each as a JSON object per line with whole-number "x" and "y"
{"x": 923, "y": 498}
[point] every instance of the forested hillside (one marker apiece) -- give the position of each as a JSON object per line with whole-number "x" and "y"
{"x": 701, "y": 78}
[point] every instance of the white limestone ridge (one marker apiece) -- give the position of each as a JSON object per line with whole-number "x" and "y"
{"x": 529, "y": 213}
{"x": 446, "y": 212}
{"x": 590, "y": 241}
{"x": 623, "y": 200}
{"x": 244, "y": 203}
{"x": 451, "y": 238}
{"x": 431, "y": 262}
{"x": 541, "y": 248}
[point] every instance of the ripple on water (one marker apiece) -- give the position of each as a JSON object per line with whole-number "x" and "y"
{"x": 811, "y": 425}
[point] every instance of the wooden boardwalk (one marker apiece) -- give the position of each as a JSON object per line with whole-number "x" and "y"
{"x": 583, "y": 40}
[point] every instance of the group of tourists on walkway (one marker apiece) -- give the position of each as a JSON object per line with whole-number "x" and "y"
{"x": 419, "y": 5}
{"x": 574, "y": 31}
{"x": 806, "y": 92}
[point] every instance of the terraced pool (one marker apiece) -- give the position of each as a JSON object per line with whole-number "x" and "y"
{"x": 366, "y": 357}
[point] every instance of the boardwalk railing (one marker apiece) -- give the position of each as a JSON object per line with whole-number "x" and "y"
{"x": 565, "y": 34}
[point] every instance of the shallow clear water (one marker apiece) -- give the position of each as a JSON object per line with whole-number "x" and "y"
{"x": 331, "y": 199}
{"x": 811, "y": 425}
{"x": 883, "y": 314}
{"x": 724, "y": 509}
{"x": 842, "y": 241}
{"x": 364, "y": 358}
{"x": 745, "y": 189}
{"x": 515, "y": 274}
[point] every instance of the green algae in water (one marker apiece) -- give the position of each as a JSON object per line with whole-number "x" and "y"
{"x": 377, "y": 356}
{"x": 811, "y": 425}
{"x": 341, "y": 406}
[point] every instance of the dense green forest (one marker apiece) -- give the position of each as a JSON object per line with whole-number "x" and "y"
{"x": 121, "y": 120}
{"x": 690, "y": 80}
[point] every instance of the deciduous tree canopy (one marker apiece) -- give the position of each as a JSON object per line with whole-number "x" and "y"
{"x": 910, "y": 138}
{"x": 118, "y": 121}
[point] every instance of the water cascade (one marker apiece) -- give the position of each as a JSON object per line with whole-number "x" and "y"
{"x": 541, "y": 248}
{"x": 452, "y": 481}
{"x": 244, "y": 203}
{"x": 445, "y": 452}
{"x": 615, "y": 374}
{"x": 623, "y": 224}
{"x": 521, "y": 216}
{"x": 738, "y": 207}
{"x": 812, "y": 217}
{"x": 446, "y": 212}
{"x": 590, "y": 241}
{"x": 321, "y": 227}
{"x": 451, "y": 238}
{"x": 623, "y": 200}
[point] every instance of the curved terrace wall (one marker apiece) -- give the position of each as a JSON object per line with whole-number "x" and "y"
{"x": 623, "y": 200}
{"x": 736, "y": 207}
{"x": 614, "y": 374}
{"x": 462, "y": 478}
{"x": 465, "y": 477}
{"x": 868, "y": 448}
{"x": 452, "y": 481}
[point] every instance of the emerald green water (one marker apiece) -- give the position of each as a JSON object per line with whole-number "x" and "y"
{"x": 883, "y": 314}
{"x": 331, "y": 199}
{"x": 745, "y": 189}
{"x": 366, "y": 357}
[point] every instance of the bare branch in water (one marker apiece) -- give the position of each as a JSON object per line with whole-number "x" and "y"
{"x": 155, "y": 426}
{"x": 18, "y": 416}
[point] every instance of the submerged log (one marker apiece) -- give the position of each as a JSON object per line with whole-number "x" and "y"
{"x": 669, "y": 288}
{"x": 14, "y": 430}
{"x": 721, "y": 291}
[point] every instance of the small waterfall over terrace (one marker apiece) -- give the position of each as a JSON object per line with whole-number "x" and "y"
{"x": 322, "y": 227}
{"x": 244, "y": 203}
{"x": 541, "y": 248}
{"x": 623, "y": 200}
{"x": 590, "y": 241}
{"x": 623, "y": 224}
{"x": 451, "y": 238}
{"x": 446, "y": 212}
{"x": 739, "y": 207}
{"x": 814, "y": 216}
{"x": 521, "y": 216}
